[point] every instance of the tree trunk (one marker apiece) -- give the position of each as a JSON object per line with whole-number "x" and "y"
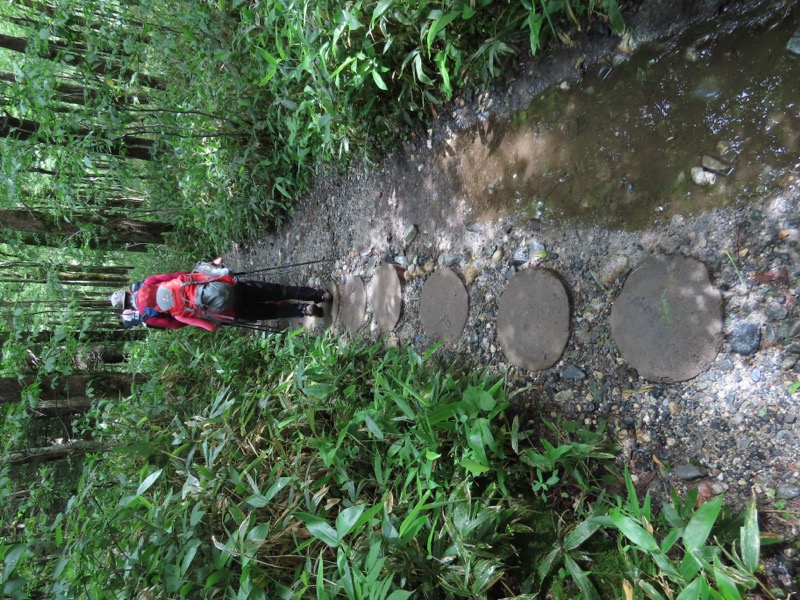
{"x": 119, "y": 234}
{"x": 103, "y": 385}
{"x": 127, "y": 146}
{"x": 75, "y": 94}
{"x": 48, "y": 453}
{"x": 70, "y": 56}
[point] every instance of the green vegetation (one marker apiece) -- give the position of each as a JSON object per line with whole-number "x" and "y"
{"x": 243, "y": 465}
{"x": 298, "y": 467}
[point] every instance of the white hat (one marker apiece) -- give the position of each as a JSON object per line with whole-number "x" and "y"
{"x": 117, "y": 299}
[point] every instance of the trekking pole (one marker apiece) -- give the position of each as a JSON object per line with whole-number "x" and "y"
{"x": 287, "y": 266}
{"x": 251, "y": 326}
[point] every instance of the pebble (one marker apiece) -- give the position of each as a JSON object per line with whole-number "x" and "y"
{"x": 746, "y": 339}
{"x": 787, "y": 491}
{"x": 572, "y": 372}
{"x": 688, "y": 472}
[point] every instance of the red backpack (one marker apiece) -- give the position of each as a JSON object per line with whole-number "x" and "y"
{"x": 210, "y": 297}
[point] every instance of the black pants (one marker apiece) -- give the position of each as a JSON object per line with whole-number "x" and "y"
{"x": 262, "y": 300}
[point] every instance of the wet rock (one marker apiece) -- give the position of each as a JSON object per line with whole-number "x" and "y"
{"x": 708, "y": 90}
{"x": 688, "y": 472}
{"x": 746, "y": 339}
{"x": 793, "y": 45}
{"x": 702, "y": 177}
{"x": 717, "y": 165}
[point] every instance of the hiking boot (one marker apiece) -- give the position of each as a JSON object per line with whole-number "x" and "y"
{"x": 312, "y": 310}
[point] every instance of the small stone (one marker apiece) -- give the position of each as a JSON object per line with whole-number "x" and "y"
{"x": 746, "y": 339}
{"x": 715, "y": 164}
{"x": 725, "y": 365}
{"x": 702, "y": 177}
{"x": 451, "y": 260}
{"x": 755, "y": 375}
{"x": 410, "y": 234}
{"x": 429, "y": 267}
{"x": 470, "y": 274}
{"x": 691, "y": 54}
{"x": 787, "y": 491}
{"x": 793, "y": 45}
{"x": 613, "y": 268}
{"x": 776, "y": 312}
{"x": 497, "y": 257}
{"x": 788, "y": 363}
{"x": 671, "y": 442}
{"x": 674, "y": 408}
{"x": 688, "y": 472}
{"x": 718, "y": 487}
{"x": 563, "y": 396}
{"x": 572, "y": 372}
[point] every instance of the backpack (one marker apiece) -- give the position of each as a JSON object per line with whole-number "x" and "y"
{"x": 199, "y": 295}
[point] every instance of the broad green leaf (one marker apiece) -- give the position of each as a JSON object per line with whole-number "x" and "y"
{"x": 650, "y": 591}
{"x": 699, "y": 526}
{"x": 544, "y": 568}
{"x": 149, "y": 481}
{"x": 581, "y": 533}
{"x": 321, "y": 593}
{"x": 347, "y": 519}
{"x": 474, "y": 467}
{"x": 376, "y": 77}
{"x": 319, "y": 528}
{"x": 750, "y": 538}
{"x": 615, "y": 16}
{"x": 726, "y": 586}
{"x": 399, "y": 595}
{"x": 693, "y": 591}
{"x": 191, "y": 550}
{"x": 440, "y": 23}
{"x": 581, "y": 578}
{"x": 633, "y": 531}
{"x": 320, "y": 390}
{"x": 12, "y": 557}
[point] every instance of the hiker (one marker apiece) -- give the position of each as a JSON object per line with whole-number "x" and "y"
{"x": 210, "y": 296}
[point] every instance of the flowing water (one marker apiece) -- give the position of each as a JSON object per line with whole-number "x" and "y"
{"x": 618, "y": 147}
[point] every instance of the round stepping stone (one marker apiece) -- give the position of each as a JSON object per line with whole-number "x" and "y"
{"x": 667, "y": 320}
{"x": 350, "y": 304}
{"x": 386, "y": 296}
{"x": 533, "y": 319}
{"x": 443, "y": 306}
{"x": 331, "y": 309}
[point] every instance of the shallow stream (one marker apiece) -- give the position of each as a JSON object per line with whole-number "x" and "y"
{"x": 618, "y": 147}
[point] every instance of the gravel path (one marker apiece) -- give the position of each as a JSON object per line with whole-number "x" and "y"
{"x": 732, "y": 429}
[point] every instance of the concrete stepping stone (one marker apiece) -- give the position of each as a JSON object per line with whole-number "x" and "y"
{"x": 667, "y": 320}
{"x": 533, "y": 319}
{"x": 331, "y": 309}
{"x": 443, "y": 306}
{"x": 350, "y": 304}
{"x": 386, "y": 296}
